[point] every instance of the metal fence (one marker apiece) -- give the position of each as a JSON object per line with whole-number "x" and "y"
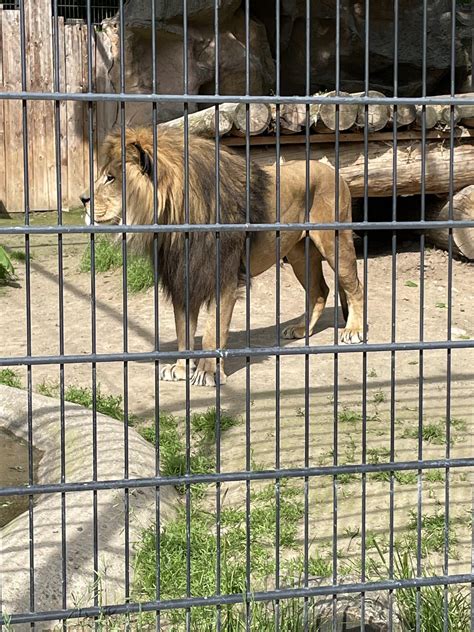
{"x": 279, "y": 591}
{"x": 77, "y": 9}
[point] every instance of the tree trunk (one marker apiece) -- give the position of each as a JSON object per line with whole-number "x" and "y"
{"x": 380, "y": 165}
{"x": 463, "y": 209}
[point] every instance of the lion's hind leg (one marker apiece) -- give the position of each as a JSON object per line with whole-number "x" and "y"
{"x": 348, "y": 280}
{"x": 318, "y": 290}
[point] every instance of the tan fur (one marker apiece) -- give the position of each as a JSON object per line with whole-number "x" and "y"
{"x": 170, "y": 209}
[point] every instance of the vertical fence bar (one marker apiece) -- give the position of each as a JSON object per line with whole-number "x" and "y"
{"x": 90, "y": 145}
{"x": 57, "y": 138}
{"x": 187, "y": 310}
{"x": 336, "y": 314}
{"x": 26, "y": 202}
{"x": 218, "y": 328}
{"x": 277, "y": 615}
{"x": 156, "y": 314}
{"x": 393, "y": 317}
{"x": 248, "y": 463}
{"x": 307, "y": 245}
{"x": 123, "y": 151}
{"x": 365, "y": 242}
{"x": 449, "y": 317}
{"x": 421, "y": 316}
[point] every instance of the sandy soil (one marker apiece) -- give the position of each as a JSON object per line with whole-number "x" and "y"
{"x": 327, "y": 376}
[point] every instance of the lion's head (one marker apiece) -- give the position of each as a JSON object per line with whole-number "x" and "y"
{"x": 108, "y": 186}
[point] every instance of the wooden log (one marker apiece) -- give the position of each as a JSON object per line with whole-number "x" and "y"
{"x": 377, "y": 115}
{"x": 347, "y": 113}
{"x": 203, "y": 122}
{"x": 292, "y": 117}
{"x": 431, "y": 117}
{"x": 463, "y": 209}
{"x": 380, "y": 164}
{"x": 406, "y": 115}
{"x": 259, "y": 119}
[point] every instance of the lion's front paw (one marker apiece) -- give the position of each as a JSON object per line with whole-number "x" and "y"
{"x": 294, "y": 331}
{"x": 175, "y": 372}
{"x": 206, "y": 378}
{"x": 351, "y": 336}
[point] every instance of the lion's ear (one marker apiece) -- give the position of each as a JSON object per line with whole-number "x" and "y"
{"x": 146, "y": 164}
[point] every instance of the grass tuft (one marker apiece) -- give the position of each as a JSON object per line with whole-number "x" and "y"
{"x": 108, "y": 256}
{"x": 205, "y": 423}
{"x": 110, "y": 405}
{"x": 431, "y": 598}
{"x": 8, "y": 377}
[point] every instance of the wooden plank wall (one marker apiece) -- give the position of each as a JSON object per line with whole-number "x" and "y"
{"x": 41, "y": 115}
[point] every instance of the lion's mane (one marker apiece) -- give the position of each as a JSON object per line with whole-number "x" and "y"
{"x": 200, "y": 173}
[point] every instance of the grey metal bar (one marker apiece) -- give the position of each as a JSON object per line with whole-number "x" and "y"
{"x": 233, "y": 353}
{"x": 243, "y": 475}
{"x": 275, "y": 226}
{"x": 196, "y": 602}
{"x": 129, "y": 97}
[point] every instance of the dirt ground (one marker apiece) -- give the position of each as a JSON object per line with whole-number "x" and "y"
{"x": 327, "y": 375}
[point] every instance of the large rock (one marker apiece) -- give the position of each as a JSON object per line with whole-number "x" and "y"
{"x": 138, "y": 12}
{"x": 79, "y": 524}
{"x": 381, "y": 42}
{"x": 201, "y": 47}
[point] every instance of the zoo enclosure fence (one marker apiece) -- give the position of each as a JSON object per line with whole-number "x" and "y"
{"x": 60, "y": 95}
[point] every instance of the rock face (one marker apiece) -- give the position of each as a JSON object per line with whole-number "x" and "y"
{"x": 201, "y": 54}
{"x": 381, "y": 44}
{"x": 79, "y": 530}
{"x": 201, "y": 49}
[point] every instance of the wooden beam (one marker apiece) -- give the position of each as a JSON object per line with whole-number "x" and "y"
{"x": 350, "y": 137}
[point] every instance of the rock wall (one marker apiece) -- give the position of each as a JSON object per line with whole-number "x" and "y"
{"x": 232, "y": 53}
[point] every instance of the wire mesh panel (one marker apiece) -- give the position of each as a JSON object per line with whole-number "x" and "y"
{"x": 236, "y": 387}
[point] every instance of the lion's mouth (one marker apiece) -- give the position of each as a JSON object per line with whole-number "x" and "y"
{"x": 100, "y": 219}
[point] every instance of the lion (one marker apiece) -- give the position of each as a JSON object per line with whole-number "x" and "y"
{"x": 175, "y": 204}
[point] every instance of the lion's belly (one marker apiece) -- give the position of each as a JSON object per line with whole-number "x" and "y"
{"x": 263, "y": 250}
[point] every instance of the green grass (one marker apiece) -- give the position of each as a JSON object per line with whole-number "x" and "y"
{"x": 379, "y": 397}
{"x": 432, "y": 533}
{"x": 349, "y": 416}
{"x": 7, "y": 270}
{"x": 205, "y": 423}
{"x": 411, "y": 284}
{"x": 18, "y": 255}
{"x": 173, "y": 459}
{"x": 8, "y": 377}
{"x": 108, "y": 256}
{"x": 431, "y": 598}
{"x": 111, "y": 405}
{"x": 435, "y": 432}
{"x": 203, "y": 558}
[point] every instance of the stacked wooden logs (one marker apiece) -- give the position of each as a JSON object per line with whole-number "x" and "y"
{"x": 325, "y": 118}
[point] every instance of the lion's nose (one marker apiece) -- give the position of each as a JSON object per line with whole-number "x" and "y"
{"x": 84, "y": 198}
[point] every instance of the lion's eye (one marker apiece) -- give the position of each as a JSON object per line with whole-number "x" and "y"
{"x": 109, "y": 178}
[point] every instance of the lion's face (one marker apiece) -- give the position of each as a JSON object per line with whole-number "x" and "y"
{"x": 108, "y": 185}
{"x": 107, "y": 197}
